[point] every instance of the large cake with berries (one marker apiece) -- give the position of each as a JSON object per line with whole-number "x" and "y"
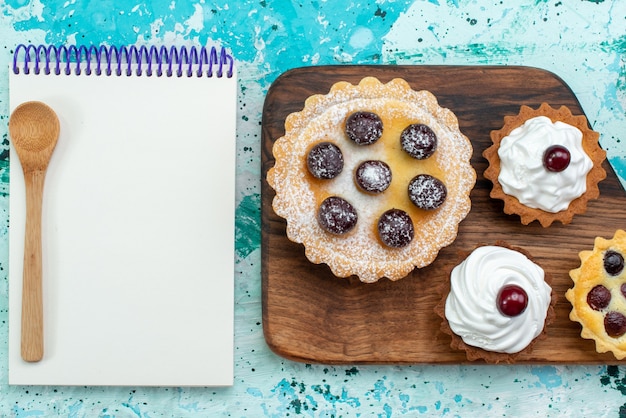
{"x": 373, "y": 179}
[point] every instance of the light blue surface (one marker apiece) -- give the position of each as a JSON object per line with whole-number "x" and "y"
{"x": 584, "y": 42}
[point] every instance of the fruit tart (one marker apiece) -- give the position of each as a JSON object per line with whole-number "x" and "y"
{"x": 598, "y": 297}
{"x": 373, "y": 179}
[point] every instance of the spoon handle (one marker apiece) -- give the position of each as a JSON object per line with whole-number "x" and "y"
{"x": 32, "y": 297}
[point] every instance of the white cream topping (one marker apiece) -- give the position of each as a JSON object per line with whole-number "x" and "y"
{"x": 523, "y": 175}
{"x": 472, "y": 306}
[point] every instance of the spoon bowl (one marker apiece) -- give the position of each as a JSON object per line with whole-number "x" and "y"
{"x": 34, "y": 130}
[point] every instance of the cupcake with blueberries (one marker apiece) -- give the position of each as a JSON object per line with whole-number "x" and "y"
{"x": 496, "y": 304}
{"x": 545, "y": 164}
{"x": 598, "y": 296}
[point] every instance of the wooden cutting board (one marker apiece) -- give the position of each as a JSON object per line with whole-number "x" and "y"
{"x": 310, "y": 315}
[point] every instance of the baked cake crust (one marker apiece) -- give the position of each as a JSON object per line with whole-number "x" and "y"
{"x": 590, "y": 145}
{"x": 360, "y": 252}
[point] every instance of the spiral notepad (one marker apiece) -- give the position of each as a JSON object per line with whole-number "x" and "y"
{"x": 138, "y": 216}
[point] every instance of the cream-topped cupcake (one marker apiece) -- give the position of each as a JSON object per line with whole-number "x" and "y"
{"x": 545, "y": 164}
{"x": 496, "y": 304}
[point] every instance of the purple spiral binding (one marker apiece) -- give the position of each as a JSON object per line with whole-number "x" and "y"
{"x": 178, "y": 61}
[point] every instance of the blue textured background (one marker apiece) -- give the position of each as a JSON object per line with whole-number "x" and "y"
{"x": 584, "y": 42}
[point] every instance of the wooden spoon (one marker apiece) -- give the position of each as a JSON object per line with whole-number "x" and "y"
{"x": 34, "y": 130}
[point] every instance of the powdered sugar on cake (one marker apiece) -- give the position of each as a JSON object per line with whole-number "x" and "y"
{"x": 360, "y": 252}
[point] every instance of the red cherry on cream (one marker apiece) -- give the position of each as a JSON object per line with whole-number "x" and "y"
{"x": 556, "y": 158}
{"x": 512, "y": 300}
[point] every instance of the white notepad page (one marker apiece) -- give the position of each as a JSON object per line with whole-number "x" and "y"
{"x": 138, "y": 231}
